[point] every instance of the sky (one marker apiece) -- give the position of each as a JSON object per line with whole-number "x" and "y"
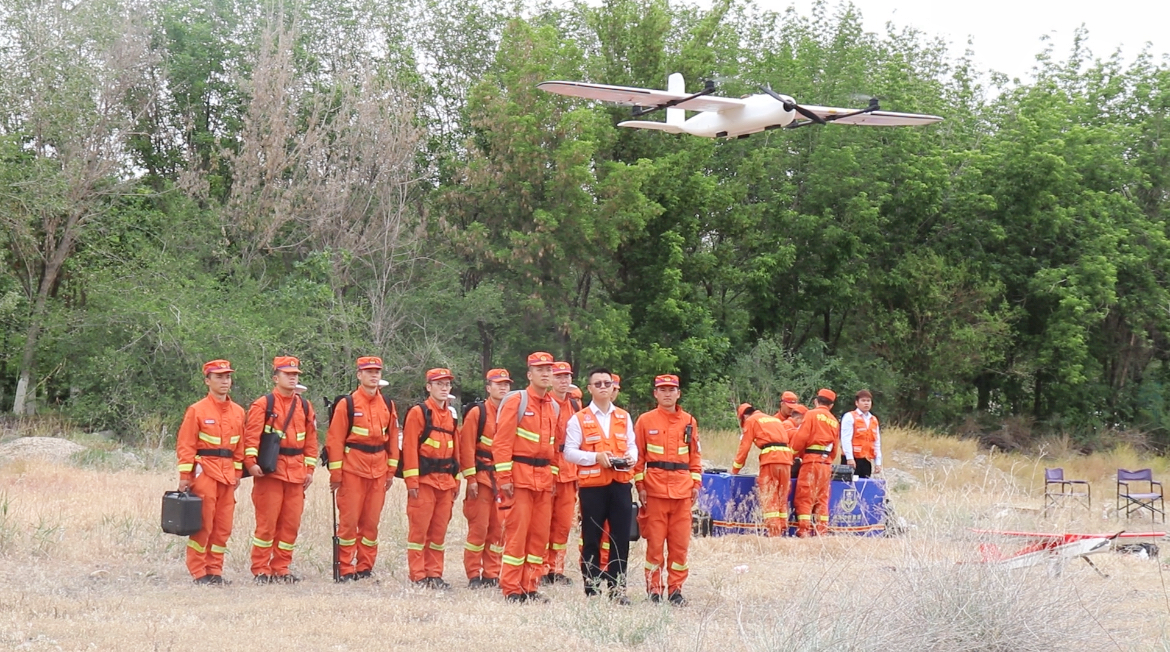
{"x": 1005, "y": 34}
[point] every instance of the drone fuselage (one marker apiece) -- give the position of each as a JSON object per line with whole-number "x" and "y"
{"x": 759, "y": 113}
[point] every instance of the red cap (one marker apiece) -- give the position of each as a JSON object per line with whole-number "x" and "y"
{"x": 789, "y": 397}
{"x": 540, "y": 359}
{"x": 800, "y": 409}
{"x": 562, "y": 368}
{"x": 666, "y": 380}
{"x": 217, "y": 367}
{"x": 827, "y": 394}
{"x": 440, "y": 374}
{"x": 743, "y": 407}
{"x": 369, "y": 362}
{"x": 498, "y": 376}
{"x": 617, "y": 380}
{"x": 286, "y": 363}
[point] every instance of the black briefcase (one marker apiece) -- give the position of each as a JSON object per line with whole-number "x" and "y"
{"x": 182, "y": 513}
{"x": 843, "y": 472}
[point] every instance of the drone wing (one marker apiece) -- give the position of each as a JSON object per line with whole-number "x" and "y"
{"x": 641, "y": 96}
{"x": 872, "y": 118}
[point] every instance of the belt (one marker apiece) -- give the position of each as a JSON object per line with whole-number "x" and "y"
{"x": 783, "y": 448}
{"x": 809, "y": 451}
{"x": 214, "y": 452}
{"x": 366, "y": 448}
{"x": 429, "y": 465}
{"x": 669, "y": 466}
{"x": 531, "y": 461}
{"x": 291, "y": 452}
{"x": 484, "y": 466}
{"x": 483, "y": 455}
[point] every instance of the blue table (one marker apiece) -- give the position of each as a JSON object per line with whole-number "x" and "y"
{"x": 856, "y": 507}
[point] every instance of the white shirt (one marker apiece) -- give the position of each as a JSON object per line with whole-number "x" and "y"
{"x": 847, "y": 436}
{"x": 573, "y": 452}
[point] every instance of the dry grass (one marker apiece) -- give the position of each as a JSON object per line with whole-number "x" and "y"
{"x": 84, "y": 566}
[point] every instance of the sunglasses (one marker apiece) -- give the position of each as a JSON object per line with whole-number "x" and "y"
{"x": 602, "y": 384}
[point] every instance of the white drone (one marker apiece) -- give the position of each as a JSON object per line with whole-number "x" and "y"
{"x": 726, "y": 117}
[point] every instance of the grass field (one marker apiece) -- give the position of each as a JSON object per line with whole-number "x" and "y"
{"x": 83, "y": 565}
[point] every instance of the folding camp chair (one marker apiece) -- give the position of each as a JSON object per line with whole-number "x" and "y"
{"x": 1136, "y": 502}
{"x": 1057, "y": 489}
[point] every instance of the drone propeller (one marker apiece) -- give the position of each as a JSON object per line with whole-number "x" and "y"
{"x": 793, "y": 106}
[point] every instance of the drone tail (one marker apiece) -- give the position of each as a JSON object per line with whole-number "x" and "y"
{"x": 675, "y": 84}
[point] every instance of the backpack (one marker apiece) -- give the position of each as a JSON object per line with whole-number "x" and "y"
{"x": 269, "y": 449}
{"x": 449, "y": 465}
{"x": 331, "y": 407}
{"x": 523, "y": 393}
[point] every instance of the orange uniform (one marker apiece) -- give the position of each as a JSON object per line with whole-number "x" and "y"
{"x": 279, "y": 497}
{"x": 771, "y": 436}
{"x": 485, "y": 531}
{"x": 669, "y": 469}
{"x": 564, "y": 502}
{"x": 430, "y": 455}
{"x": 815, "y": 442}
{"x": 210, "y": 449}
{"x": 523, "y": 452}
{"x": 362, "y": 457}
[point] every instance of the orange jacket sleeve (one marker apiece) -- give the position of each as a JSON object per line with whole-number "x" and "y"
{"x": 467, "y": 436}
{"x": 411, "y": 429}
{"x": 696, "y": 460}
{"x": 800, "y": 439}
{"x": 335, "y": 438}
{"x": 185, "y": 444}
{"x": 746, "y": 436}
{"x": 505, "y": 439}
{"x": 640, "y": 441}
{"x": 238, "y": 451}
{"x": 392, "y": 452}
{"x": 253, "y": 426}
{"x": 312, "y": 445}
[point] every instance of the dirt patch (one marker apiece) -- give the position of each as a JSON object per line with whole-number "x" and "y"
{"x": 49, "y": 449}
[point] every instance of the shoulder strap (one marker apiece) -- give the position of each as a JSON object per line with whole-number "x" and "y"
{"x": 482, "y": 405}
{"x": 575, "y": 404}
{"x": 305, "y": 409}
{"x": 428, "y": 426}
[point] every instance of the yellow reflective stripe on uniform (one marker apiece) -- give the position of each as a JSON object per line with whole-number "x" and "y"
{"x": 804, "y": 517}
{"x": 371, "y": 543}
{"x": 410, "y": 545}
{"x": 651, "y": 567}
{"x": 194, "y": 545}
{"x": 235, "y": 439}
{"x": 655, "y": 449}
{"x": 251, "y": 451}
{"x": 556, "y": 470}
{"x": 513, "y": 561}
{"x": 186, "y": 468}
{"x": 503, "y": 466}
{"x": 697, "y": 476}
{"x": 823, "y": 518}
{"x": 533, "y": 559}
{"x": 430, "y": 442}
{"x": 486, "y": 441}
{"x": 638, "y": 477}
{"x": 771, "y": 514}
{"x": 675, "y": 566}
{"x": 560, "y": 546}
{"x": 527, "y": 434}
{"x": 364, "y": 432}
{"x": 450, "y": 443}
{"x": 683, "y": 450}
{"x": 496, "y": 549}
{"x": 817, "y": 448}
{"x": 605, "y": 545}
{"x": 346, "y": 542}
{"x": 219, "y": 550}
{"x": 333, "y": 466}
{"x": 472, "y": 547}
{"x": 311, "y": 462}
{"x": 410, "y": 473}
{"x": 392, "y": 463}
{"x": 239, "y": 465}
{"x": 300, "y": 436}
{"x": 435, "y": 546}
{"x": 467, "y": 473}
{"x": 211, "y": 439}
{"x": 261, "y": 543}
{"x": 284, "y": 545}
{"x": 736, "y": 465}
{"x": 271, "y": 429}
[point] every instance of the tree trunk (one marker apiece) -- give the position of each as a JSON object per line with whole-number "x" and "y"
{"x": 22, "y": 403}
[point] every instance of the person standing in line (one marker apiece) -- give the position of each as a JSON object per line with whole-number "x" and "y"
{"x": 564, "y": 506}
{"x": 598, "y": 439}
{"x": 211, "y": 461}
{"x": 814, "y": 443}
{"x": 279, "y": 493}
{"x": 861, "y": 437}
{"x": 430, "y": 469}
{"x": 668, "y": 475}
{"x": 485, "y": 530}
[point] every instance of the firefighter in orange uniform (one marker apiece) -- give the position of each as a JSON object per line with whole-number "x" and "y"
{"x": 279, "y": 493}
{"x": 362, "y": 446}
{"x": 771, "y": 436}
{"x": 668, "y": 477}
{"x": 788, "y": 400}
{"x": 211, "y": 460}
{"x": 564, "y": 505}
{"x": 815, "y": 443}
{"x": 430, "y": 468}
{"x": 485, "y": 531}
{"x": 526, "y": 435}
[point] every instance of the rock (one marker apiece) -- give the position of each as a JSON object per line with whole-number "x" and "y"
{"x": 898, "y": 478}
{"x": 49, "y": 449}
